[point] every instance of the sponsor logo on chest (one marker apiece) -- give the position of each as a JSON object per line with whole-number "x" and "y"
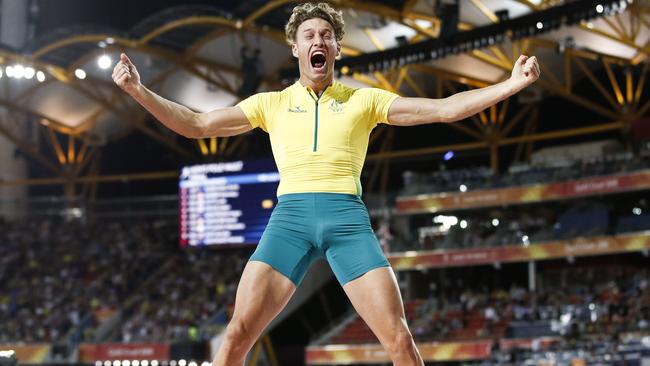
{"x": 297, "y": 109}
{"x": 336, "y": 106}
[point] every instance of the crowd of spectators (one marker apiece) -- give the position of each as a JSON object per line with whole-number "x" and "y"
{"x": 588, "y": 313}
{"x": 60, "y": 279}
{"x": 576, "y": 303}
{"x": 182, "y": 297}
{"x": 56, "y": 275}
{"x": 596, "y": 309}
{"x": 483, "y": 177}
{"x": 527, "y": 225}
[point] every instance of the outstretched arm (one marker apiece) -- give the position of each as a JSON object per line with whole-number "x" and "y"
{"x": 417, "y": 111}
{"x": 219, "y": 122}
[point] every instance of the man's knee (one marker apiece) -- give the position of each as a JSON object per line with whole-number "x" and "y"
{"x": 236, "y": 332}
{"x": 235, "y": 345}
{"x": 401, "y": 342}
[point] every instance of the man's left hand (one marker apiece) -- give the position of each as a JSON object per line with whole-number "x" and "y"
{"x": 525, "y": 72}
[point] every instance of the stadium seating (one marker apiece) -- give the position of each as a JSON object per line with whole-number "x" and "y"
{"x": 609, "y": 299}
{"x": 520, "y": 174}
{"x": 60, "y": 280}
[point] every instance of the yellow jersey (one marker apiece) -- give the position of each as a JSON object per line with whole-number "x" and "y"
{"x": 319, "y": 143}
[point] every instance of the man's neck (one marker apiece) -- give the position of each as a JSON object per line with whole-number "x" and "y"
{"x": 317, "y": 86}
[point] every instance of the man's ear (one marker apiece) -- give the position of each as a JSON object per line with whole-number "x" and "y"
{"x": 294, "y": 49}
{"x": 338, "y": 50}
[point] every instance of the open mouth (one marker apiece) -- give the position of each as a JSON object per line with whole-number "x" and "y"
{"x": 318, "y": 60}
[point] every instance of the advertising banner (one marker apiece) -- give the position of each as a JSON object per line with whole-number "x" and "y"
{"x": 374, "y": 353}
{"x": 579, "y": 247}
{"x": 519, "y": 343}
{"x": 523, "y": 194}
{"x": 28, "y": 353}
{"x": 127, "y": 351}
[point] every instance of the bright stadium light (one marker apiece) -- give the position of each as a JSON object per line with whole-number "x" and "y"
{"x": 205, "y": 363}
{"x": 495, "y": 222}
{"x": 462, "y": 188}
{"x": 19, "y": 71}
{"x": 126, "y": 363}
{"x": 80, "y": 74}
{"x": 449, "y": 155}
{"x": 446, "y": 222}
{"x": 566, "y": 318}
{"x": 107, "y": 363}
{"x": 637, "y": 211}
{"x": 116, "y": 363}
{"x": 646, "y": 341}
{"x": 40, "y": 76}
{"x": 154, "y": 363}
{"x": 135, "y": 363}
{"x": 104, "y": 62}
{"x": 539, "y": 25}
{"x": 144, "y": 363}
{"x": 9, "y": 70}
{"x": 463, "y": 224}
{"x": 192, "y": 363}
{"x": 29, "y": 73}
{"x": 600, "y": 8}
{"x": 182, "y": 363}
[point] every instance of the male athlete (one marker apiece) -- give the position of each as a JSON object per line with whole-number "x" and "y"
{"x": 319, "y": 132}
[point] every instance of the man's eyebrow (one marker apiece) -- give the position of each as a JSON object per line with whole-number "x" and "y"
{"x": 312, "y": 29}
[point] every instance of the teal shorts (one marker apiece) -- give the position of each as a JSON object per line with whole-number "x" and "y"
{"x": 307, "y": 226}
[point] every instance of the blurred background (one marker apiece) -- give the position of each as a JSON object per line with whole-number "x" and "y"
{"x": 519, "y": 236}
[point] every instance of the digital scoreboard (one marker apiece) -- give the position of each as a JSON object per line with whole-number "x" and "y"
{"x": 226, "y": 203}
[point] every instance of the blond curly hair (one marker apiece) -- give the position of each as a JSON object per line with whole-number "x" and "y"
{"x": 308, "y": 11}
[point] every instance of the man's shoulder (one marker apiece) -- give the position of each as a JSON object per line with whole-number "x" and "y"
{"x": 268, "y": 96}
{"x": 270, "y": 93}
{"x": 344, "y": 88}
{"x": 288, "y": 90}
{"x": 360, "y": 91}
{"x": 346, "y": 92}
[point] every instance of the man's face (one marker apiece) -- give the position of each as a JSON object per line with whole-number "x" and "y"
{"x": 316, "y": 49}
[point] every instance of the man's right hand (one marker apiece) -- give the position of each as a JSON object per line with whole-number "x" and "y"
{"x": 220, "y": 122}
{"x": 126, "y": 76}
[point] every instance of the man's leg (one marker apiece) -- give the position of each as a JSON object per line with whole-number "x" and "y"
{"x": 376, "y": 297}
{"x": 261, "y": 295}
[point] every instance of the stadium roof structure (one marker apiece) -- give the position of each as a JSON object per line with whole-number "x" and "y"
{"x": 189, "y": 52}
